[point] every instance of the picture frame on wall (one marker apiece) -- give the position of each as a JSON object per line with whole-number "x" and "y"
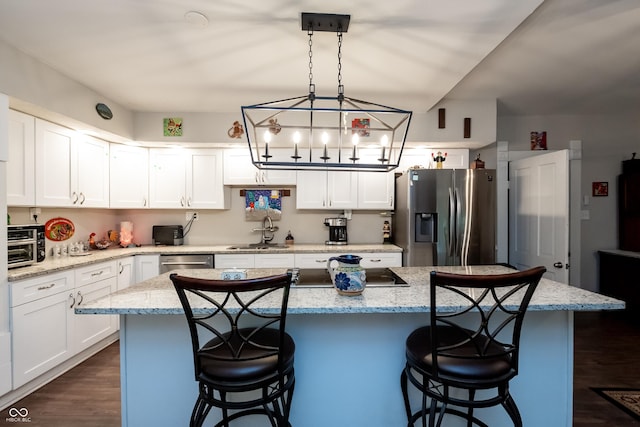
{"x": 599, "y": 189}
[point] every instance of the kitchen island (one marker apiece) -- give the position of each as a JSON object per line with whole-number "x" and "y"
{"x": 349, "y": 351}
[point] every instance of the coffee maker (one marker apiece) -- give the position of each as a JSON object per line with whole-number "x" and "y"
{"x": 337, "y": 231}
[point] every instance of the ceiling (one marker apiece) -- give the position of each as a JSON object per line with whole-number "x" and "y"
{"x": 560, "y": 57}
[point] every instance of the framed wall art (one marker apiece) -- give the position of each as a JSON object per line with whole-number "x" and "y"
{"x": 600, "y": 189}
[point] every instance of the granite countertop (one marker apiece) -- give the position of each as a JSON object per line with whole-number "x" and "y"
{"x": 52, "y": 265}
{"x": 157, "y": 295}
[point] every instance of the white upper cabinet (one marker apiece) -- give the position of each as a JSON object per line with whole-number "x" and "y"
{"x": 21, "y": 187}
{"x": 128, "y": 176}
{"x": 327, "y": 190}
{"x": 92, "y": 166}
{"x": 187, "y": 179}
{"x": 375, "y": 189}
{"x": 71, "y": 170}
{"x": 238, "y": 169}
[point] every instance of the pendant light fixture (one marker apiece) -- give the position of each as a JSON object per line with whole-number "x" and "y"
{"x": 322, "y": 132}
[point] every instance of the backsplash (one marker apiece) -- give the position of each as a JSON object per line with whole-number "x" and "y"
{"x": 213, "y": 227}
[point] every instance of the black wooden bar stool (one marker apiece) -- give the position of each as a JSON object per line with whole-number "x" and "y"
{"x": 242, "y": 355}
{"x": 471, "y": 347}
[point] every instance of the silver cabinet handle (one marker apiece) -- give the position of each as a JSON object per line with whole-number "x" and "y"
{"x": 322, "y": 261}
{"x": 97, "y": 273}
{"x": 80, "y": 297}
{"x": 73, "y": 300}
{"x": 121, "y": 268}
{"x": 74, "y": 198}
{"x": 82, "y": 198}
{"x": 144, "y": 201}
{"x": 375, "y": 260}
{"x": 42, "y": 288}
{"x": 189, "y": 201}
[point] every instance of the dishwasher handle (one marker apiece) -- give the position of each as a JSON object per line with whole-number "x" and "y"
{"x": 186, "y": 263}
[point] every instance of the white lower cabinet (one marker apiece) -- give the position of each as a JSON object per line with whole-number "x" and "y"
{"x": 41, "y": 334}
{"x": 93, "y": 282}
{"x": 45, "y": 329}
{"x": 146, "y": 267}
{"x": 126, "y": 272}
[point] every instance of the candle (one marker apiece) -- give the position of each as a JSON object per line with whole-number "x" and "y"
{"x": 384, "y": 141}
{"x": 296, "y": 140}
{"x": 325, "y": 141}
{"x": 267, "y": 139}
{"x": 354, "y": 140}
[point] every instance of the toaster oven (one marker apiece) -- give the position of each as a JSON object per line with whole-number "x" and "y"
{"x": 25, "y": 245}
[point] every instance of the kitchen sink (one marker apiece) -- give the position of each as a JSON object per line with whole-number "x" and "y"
{"x": 261, "y": 246}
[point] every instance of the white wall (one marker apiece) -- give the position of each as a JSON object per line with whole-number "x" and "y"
{"x": 38, "y": 89}
{"x": 606, "y": 142}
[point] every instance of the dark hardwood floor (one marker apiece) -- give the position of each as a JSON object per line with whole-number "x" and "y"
{"x": 607, "y": 353}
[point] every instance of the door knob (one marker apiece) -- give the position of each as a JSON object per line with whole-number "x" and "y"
{"x": 557, "y": 264}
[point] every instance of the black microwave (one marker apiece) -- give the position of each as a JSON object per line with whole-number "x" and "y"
{"x": 25, "y": 245}
{"x": 168, "y": 235}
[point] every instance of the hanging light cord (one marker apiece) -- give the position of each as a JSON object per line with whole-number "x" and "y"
{"x": 312, "y": 87}
{"x": 340, "y": 86}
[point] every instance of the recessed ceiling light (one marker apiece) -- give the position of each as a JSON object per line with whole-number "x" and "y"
{"x": 196, "y": 19}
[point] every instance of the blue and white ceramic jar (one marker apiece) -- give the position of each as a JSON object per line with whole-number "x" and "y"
{"x": 349, "y": 278}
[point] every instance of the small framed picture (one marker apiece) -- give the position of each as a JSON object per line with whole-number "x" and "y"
{"x": 600, "y": 189}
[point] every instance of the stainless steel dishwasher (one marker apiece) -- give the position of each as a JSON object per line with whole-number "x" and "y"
{"x": 191, "y": 261}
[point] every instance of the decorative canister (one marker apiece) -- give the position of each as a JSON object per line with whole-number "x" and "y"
{"x": 349, "y": 278}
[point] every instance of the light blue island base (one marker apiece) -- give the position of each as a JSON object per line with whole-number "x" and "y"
{"x": 347, "y": 370}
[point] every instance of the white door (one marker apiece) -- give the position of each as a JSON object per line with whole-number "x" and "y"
{"x": 539, "y": 214}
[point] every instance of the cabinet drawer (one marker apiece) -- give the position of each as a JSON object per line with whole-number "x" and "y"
{"x": 378, "y": 259}
{"x": 274, "y": 260}
{"x": 317, "y": 260}
{"x": 33, "y": 289}
{"x": 95, "y": 272}
{"x": 234, "y": 261}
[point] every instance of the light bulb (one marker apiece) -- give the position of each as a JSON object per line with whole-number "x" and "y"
{"x": 325, "y": 138}
{"x": 267, "y": 136}
{"x": 296, "y": 137}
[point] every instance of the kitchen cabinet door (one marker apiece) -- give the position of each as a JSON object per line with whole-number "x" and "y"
{"x": 238, "y": 169}
{"x": 456, "y": 158}
{"x": 71, "y": 170}
{"x": 187, "y": 179}
{"x": 55, "y": 158}
{"x": 326, "y": 190}
{"x": 91, "y": 329}
{"x": 311, "y": 260}
{"x": 205, "y": 183}
{"x": 375, "y": 189}
{"x": 167, "y": 178}
{"x": 126, "y": 272}
{"x": 146, "y": 267}
{"x": 41, "y": 336}
{"x": 92, "y": 169}
{"x": 21, "y": 186}
{"x": 128, "y": 176}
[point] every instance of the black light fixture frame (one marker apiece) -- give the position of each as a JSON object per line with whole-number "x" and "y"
{"x": 312, "y": 109}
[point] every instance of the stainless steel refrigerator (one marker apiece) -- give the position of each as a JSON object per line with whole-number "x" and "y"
{"x": 446, "y": 217}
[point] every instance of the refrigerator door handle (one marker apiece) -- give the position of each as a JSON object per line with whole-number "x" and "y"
{"x": 451, "y": 235}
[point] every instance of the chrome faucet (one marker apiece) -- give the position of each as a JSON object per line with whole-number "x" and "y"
{"x": 267, "y": 227}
